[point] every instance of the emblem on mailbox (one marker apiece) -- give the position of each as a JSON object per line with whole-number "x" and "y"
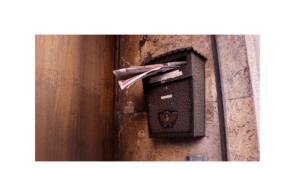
{"x": 167, "y": 118}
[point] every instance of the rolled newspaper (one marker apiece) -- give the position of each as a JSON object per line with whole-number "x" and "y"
{"x": 128, "y": 76}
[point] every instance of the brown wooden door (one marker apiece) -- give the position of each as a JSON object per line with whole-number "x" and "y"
{"x": 74, "y": 94}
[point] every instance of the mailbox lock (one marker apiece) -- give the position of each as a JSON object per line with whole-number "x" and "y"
{"x": 167, "y": 118}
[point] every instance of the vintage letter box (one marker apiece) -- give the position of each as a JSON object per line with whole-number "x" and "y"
{"x": 175, "y": 100}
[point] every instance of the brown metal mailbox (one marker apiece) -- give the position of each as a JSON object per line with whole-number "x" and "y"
{"x": 175, "y": 100}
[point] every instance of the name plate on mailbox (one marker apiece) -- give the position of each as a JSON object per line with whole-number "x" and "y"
{"x": 175, "y": 100}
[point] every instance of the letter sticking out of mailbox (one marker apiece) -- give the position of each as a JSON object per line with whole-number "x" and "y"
{"x": 175, "y": 100}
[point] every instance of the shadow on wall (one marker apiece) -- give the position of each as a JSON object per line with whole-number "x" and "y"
{"x": 176, "y": 141}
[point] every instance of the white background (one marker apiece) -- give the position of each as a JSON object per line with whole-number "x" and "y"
{"x": 276, "y": 23}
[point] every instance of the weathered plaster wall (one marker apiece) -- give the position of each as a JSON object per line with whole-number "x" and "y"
{"x": 134, "y": 141}
{"x": 239, "y": 71}
{"x": 238, "y": 100}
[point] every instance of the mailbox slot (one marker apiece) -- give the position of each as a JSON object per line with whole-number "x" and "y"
{"x": 185, "y": 70}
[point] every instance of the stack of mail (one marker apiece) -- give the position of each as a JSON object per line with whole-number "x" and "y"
{"x": 128, "y": 76}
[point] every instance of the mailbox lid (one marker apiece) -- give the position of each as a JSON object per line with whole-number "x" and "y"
{"x": 168, "y": 56}
{"x": 184, "y": 71}
{"x": 183, "y": 54}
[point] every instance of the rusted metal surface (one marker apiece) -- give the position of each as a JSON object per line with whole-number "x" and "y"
{"x": 134, "y": 141}
{"x": 239, "y": 109}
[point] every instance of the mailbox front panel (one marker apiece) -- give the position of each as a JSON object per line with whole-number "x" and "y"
{"x": 170, "y": 107}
